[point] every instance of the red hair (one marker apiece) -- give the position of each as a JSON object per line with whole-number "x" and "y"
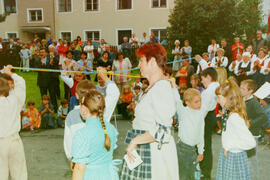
{"x": 156, "y": 51}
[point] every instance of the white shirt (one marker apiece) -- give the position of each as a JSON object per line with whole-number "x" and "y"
{"x": 209, "y": 96}
{"x": 265, "y": 66}
{"x": 143, "y": 40}
{"x": 233, "y": 69}
{"x": 204, "y": 65}
{"x": 191, "y": 123}
{"x": 260, "y": 62}
{"x": 90, "y": 55}
{"x": 237, "y": 137}
{"x": 10, "y": 108}
{"x": 224, "y": 61}
{"x": 212, "y": 48}
{"x": 243, "y": 65}
{"x": 1, "y": 47}
{"x": 125, "y": 65}
{"x": 73, "y": 121}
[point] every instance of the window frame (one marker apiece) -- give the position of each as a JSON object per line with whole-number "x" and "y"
{"x": 123, "y": 10}
{"x": 157, "y": 28}
{"x": 3, "y": 7}
{"x": 61, "y": 37}
{"x": 29, "y": 15}
{"x": 11, "y": 32}
{"x": 87, "y": 11}
{"x": 57, "y": 7}
{"x": 122, "y": 29}
{"x": 91, "y": 30}
{"x": 151, "y": 5}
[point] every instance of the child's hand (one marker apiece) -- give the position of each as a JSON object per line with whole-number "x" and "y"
{"x": 225, "y": 154}
{"x": 200, "y": 157}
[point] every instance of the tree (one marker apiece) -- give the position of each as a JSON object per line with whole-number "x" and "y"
{"x": 200, "y": 21}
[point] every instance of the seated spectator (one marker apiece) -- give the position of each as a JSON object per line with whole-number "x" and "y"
{"x": 126, "y": 47}
{"x": 33, "y": 115}
{"x": 62, "y": 113}
{"x": 125, "y": 100}
{"x": 235, "y": 63}
{"x": 111, "y": 54}
{"x": 253, "y": 56}
{"x": 104, "y": 61}
{"x": 85, "y": 64}
{"x": 243, "y": 68}
{"x": 46, "y": 111}
{"x": 256, "y": 67}
{"x": 265, "y": 70}
{"x": 203, "y": 62}
{"x": 220, "y": 60}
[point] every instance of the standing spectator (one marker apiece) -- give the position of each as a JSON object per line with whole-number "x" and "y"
{"x": 143, "y": 40}
{"x": 12, "y": 54}
{"x": 203, "y": 63}
{"x": 2, "y": 53}
{"x": 101, "y": 47}
{"x": 187, "y": 49}
{"x": 36, "y": 38}
{"x": 177, "y": 56}
{"x": 89, "y": 49}
{"x": 237, "y": 48}
{"x": 104, "y": 61}
{"x": 212, "y": 49}
{"x": 62, "y": 50}
{"x": 227, "y": 49}
{"x": 121, "y": 64}
{"x": 126, "y": 47}
{"x": 50, "y": 41}
{"x": 220, "y": 60}
{"x": 133, "y": 41}
{"x": 79, "y": 40}
{"x": 43, "y": 44}
{"x": 259, "y": 42}
{"x": 35, "y": 53}
{"x": 77, "y": 51}
{"x": 111, "y": 54}
{"x": 85, "y": 64}
{"x": 25, "y": 55}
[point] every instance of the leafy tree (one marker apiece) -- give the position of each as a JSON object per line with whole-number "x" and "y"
{"x": 200, "y": 21}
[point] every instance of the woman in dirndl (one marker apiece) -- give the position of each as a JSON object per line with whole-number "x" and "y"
{"x": 236, "y": 137}
{"x": 151, "y": 135}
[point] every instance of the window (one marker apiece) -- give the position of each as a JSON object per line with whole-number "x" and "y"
{"x": 11, "y": 35}
{"x": 159, "y": 3}
{"x": 66, "y": 36}
{"x": 92, "y": 35}
{"x": 159, "y": 33}
{"x": 64, "y": 5}
{"x": 35, "y": 15}
{"x": 10, "y": 6}
{"x": 124, "y": 4}
{"x": 123, "y": 33}
{"x": 91, "y": 5}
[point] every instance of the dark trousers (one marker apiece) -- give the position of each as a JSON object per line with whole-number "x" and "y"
{"x": 207, "y": 164}
{"x": 57, "y": 87}
{"x": 67, "y": 91}
{"x": 187, "y": 159}
{"x": 51, "y": 89}
{"x": 122, "y": 109}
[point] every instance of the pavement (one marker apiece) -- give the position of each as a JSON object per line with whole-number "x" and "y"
{"x": 46, "y": 159}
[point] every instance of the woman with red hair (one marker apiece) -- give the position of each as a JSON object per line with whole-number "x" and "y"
{"x": 150, "y": 135}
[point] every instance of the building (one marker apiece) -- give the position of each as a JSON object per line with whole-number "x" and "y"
{"x": 91, "y": 19}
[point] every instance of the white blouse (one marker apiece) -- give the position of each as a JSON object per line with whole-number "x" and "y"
{"x": 237, "y": 137}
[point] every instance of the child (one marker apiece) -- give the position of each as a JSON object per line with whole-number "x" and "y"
{"x": 62, "y": 113}
{"x": 74, "y": 122}
{"x": 137, "y": 93}
{"x": 33, "y": 115}
{"x": 196, "y": 82}
{"x": 85, "y": 64}
{"x": 101, "y": 86}
{"x": 46, "y": 111}
{"x": 257, "y": 117}
{"x": 236, "y": 138}
{"x": 12, "y": 157}
{"x": 93, "y": 145}
{"x": 190, "y": 117}
{"x": 125, "y": 100}
{"x": 209, "y": 78}
{"x": 182, "y": 73}
{"x": 25, "y": 55}
{"x": 202, "y": 62}
{"x": 137, "y": 82}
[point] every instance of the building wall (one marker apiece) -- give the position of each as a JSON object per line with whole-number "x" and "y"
{"x": 140, "y": 19}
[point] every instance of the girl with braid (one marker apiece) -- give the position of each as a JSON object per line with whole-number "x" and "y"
{"x": 93, "y": 145}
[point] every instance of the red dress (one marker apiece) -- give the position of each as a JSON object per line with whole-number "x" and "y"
{"x": 183, "y": 80}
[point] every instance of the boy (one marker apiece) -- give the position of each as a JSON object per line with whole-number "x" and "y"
{"x": 209, "y": 78}
{"x": 25, "y": 55}
{"x": 12, "y": 157}
{"x": 74, "y": 122}
{"x": 62, "y": 113}
{"x": 202, "y": 62}
{"x": 257, "y": 118}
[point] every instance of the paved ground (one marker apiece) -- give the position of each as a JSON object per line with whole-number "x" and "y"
{"x": 46, "y": 159}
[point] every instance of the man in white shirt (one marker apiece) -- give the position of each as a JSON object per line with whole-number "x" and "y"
{"x": 144, "y": 39}
{"x": 209, "y": 78}
{"x": 202, "y": 62}
{"x": 212, "y": 49}
{"x": 12, "y": 157}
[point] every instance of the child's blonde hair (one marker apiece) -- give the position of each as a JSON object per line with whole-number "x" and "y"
{"x": 190, "y": 93}
{"x": 95, "y": 103}
{"x": 83, "y": 87}
{"x": 221, "y": 75}
{"x": 235, "y": 103}
{"x": 251, "y": 85}
{"x": 126, "y": 87}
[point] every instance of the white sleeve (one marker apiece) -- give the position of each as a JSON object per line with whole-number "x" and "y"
{"x": 225, "y": 62}
{"x": 265, "y": 66}
{"x": 19, "y": 88}
{"x": 179, "y": 104}
{"x": 209, "y": 49}
{"x": 213, "y": 62}
{"x": 111, "y": 99}
{"x": 67, "y": 140}
{"x": 203, "y": 64}
{"x": 230, "y": 68}
{"x": 129, "y": 63}
{"x": 67, "y": 80}
{"x": 200, "y": 145}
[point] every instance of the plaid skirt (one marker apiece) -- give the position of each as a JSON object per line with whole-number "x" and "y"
{"x": 234, "y": 167}
{"x": 143, "y": 171}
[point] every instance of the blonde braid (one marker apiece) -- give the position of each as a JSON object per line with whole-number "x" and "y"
{"x": 107, "y": 142}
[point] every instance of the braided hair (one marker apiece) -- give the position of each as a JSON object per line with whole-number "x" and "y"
{"x": 95, "y": 103}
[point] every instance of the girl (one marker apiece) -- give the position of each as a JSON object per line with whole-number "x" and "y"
{"x": 182, "y": 73}
{"x": 89, "y": 49}
{"x": 236, "y": 137}
{"x": 93, "y": 145}
{"x": 46, "y": 111}
{"x": 196, "y": 82}
{"x": 33, "y": 115}
{"x": 126, "y": 99}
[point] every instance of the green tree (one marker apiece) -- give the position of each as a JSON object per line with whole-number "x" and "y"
{"x": 200, "y": 21}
